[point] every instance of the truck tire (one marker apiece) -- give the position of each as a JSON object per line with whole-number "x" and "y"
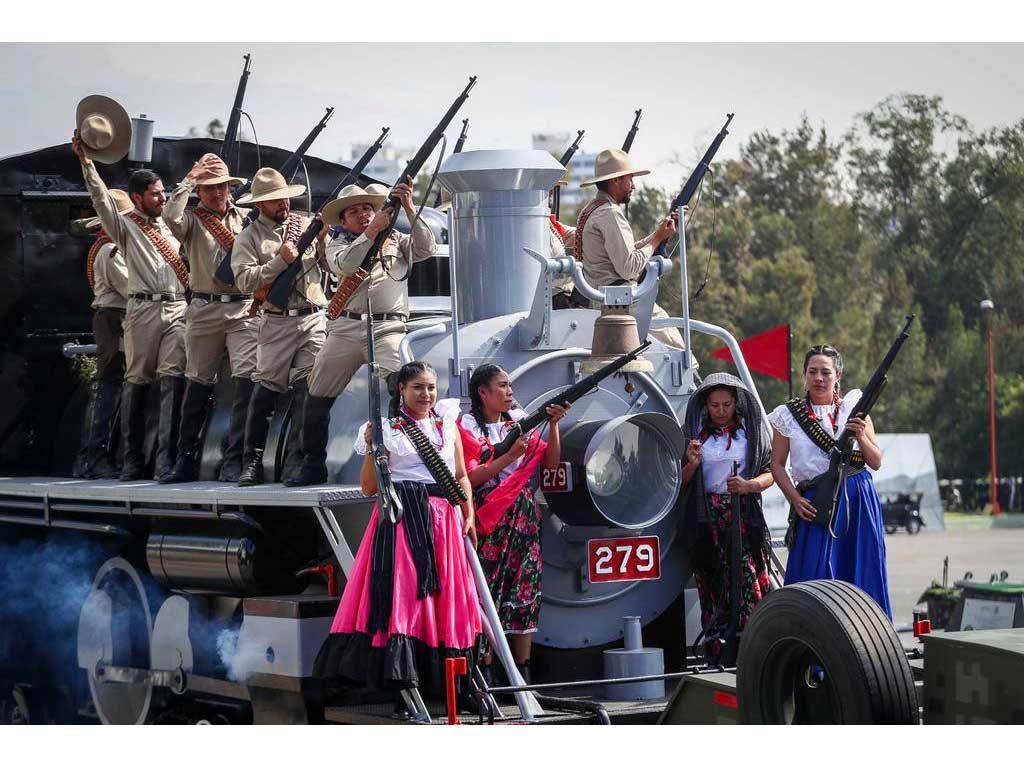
{"x": 823, "y": 652}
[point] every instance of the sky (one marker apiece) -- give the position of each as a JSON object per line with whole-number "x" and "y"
{"x": 685, "y": 90}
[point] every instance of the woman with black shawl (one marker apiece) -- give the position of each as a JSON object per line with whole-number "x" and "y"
{"x": 724, "y": 425}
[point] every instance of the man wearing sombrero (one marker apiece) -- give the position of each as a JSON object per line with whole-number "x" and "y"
{"x": 154, "y": 326}
{"x": 217, "y": 317}
{"x": 604, "y": 239}
{"x": 357, "y": 212}
{"x": 289, "y": 336}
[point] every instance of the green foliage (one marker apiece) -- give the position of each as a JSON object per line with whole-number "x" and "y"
{"x": 911, "y": 211}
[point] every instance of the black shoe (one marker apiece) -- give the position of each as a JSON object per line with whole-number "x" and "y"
{"x": 193, "y": 418}
{"x": 171, "y": 390}
{"x": 133, "y": 430}
{"x": 257, "y": 425}
{"x": 97, "y": 446}
{"x": 231, "y": 466}
{"x": 316, "y": 419}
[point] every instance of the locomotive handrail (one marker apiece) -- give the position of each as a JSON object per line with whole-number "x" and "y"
{"x": 74, "y": 350}
{"x": 656, "y": 268}
{"x": 405, "y": 345}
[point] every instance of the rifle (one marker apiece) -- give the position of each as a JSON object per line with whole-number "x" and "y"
{"x": 287, "y": 169}
{"x": 570, "y": 395}
{"x": 458, "y": 148}
{"x": 830, "y": 482}
{"x": 281, "y": 288}
{"x": 730, "y": 648}
{"x": 388, "y": 503}
{"x": 229, "y": 149}
{"x": 628, "y": 143}
{"x": 686, "y": 193}
{"x": 351, "y": 283}
{"x": 564, "y": 160}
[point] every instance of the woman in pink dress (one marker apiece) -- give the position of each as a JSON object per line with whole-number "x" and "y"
{"x": 410, "y": 600}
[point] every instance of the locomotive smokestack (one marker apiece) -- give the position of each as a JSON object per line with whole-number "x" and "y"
{"x": 141, "y": 149}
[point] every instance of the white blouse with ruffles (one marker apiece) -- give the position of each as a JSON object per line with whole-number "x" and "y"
{"x": 807, "y": 460}
{"x": 717, "y": 457}
{"x": 496, "y": 432}
{"x": 404, "y": 461}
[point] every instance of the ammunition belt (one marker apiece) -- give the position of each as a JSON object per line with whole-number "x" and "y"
{"x": 212, "y": 223}
{"x": 816, "y": 432}
{"x": 291, "y": 234}
{"x": 90, "y": 260}
{"x": 435, "y": 464}
{"x": 163, "y": 247}
{"x": 581, "y": 224}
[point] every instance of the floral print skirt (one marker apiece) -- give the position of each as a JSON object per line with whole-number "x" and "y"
{"x": 510, "y": 558}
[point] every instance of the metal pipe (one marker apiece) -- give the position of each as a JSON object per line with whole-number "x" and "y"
{"x": 685, "y": 286}
{"x": 987, "y": 308}
{"x": 456, "y": 362}
{"x": 526, "y": 367}
{"x": 405, "y": 346}
{"x": 615, "y": 680}
{"x": 577, "y": 706}
{"x": 74, "y": 350}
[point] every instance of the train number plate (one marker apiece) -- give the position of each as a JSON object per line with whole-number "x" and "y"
{"x": 556, "y": 480}
{"x": 623, "y": 559}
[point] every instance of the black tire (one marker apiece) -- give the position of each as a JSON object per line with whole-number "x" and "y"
{"x": 913, "y": 525}
{"x": 890, "y": 529}
{"x": 823, "y": 652}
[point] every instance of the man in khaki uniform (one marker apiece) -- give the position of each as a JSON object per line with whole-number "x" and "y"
{"x": 289, "y": 336}
{"x": 154, "y": 325}
{"x": 108, "y": 278}
{"x": 604, "y": 239}
{"x": 344, "y": 352}
{"x": 217, "y": 316}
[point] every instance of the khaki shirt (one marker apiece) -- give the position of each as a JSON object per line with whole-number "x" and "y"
{"x": 198, "y": 246}
{"x": 256, "y": 262}
{"x": 609, "y": 253}
{"x": 111, "y": 279}
{"x": 345, "y": 255}
{"x": 147, "y": 270}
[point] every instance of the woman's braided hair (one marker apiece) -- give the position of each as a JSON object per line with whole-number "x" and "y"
{"x": 482, "y": 377}
{"x": 406, "y": 373}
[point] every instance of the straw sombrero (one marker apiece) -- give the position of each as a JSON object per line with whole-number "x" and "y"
{"x": 374, "y": 194}
{"x": 104, "y": 127}
{"x": 268, "y": 185}
{"x": 220, "y": 173}
{"x": 612, "y": 163}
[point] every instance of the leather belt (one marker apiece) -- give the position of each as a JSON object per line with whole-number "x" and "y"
{"x": 224, "y": 298}
{"x": 294, "y": 312}
{"x": 383, "y": 317}
{"x": 166, "y": 297}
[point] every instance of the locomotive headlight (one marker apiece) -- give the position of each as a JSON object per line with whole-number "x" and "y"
{"x": 625, "y": 472}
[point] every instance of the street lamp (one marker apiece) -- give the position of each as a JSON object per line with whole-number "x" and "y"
{"x": 987, "y": 307}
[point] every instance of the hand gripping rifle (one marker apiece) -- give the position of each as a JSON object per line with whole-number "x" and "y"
{"x": 830, "y": 483}
{"x": 564, "y": 161}
{"x": 388, "y": 503}
{"x": 229, "y": 149}
{"x": 287, "y": 169}
{"x": 458, "y": 148}
{"x": 570, "y": 395}
{"x": 351, "y": 283}
{"x": 730, "y": 646}
{"x": 686, "y": 194}
{"x": 281, "y": 288}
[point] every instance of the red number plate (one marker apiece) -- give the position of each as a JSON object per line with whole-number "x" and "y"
{"x": 623, "y": 559}
{"x": 556, "y": 480}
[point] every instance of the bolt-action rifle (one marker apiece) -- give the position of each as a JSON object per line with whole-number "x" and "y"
{"x": 628, "y": 143}
{"x": 388, "y": 503}
{"x": 287, "y": 169}
{"x": 229, "y": 149}
{"x": 564, "y": 160}
{"x": 351, "y": 283}
{"x": 458, "y": 148}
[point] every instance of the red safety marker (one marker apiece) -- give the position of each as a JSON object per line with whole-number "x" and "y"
{"x": 453, "y": 667}
{"x": 725, "y": 699}
{"x": 922, "y": 626}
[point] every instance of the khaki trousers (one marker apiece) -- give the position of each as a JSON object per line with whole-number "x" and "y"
{"x": 154, "y": 340}
{"x": 212, "y": 326}
{"x": 344, "y": 352}
{"x": 287, "y": 347}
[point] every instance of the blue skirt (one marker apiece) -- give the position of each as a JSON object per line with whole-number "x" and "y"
{"x": 857, "y": 555}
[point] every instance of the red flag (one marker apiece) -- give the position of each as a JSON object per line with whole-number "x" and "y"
{"x": 766, "y": 353}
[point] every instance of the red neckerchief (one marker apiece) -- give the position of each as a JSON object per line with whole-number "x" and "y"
{"x": 437, "y": 420}
{"x": 833, "y": 417}
{"x": 557, "y": 227}
{"x": 717, "y": 431}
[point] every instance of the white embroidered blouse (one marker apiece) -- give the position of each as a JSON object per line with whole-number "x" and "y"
{"x": 403, "y": 459}
{"x": 807, "y": 460}
{"x": 717, "y": 456}
{"x": 495, "y": 433}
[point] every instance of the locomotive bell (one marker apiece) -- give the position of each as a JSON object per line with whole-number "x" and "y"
{"x": 615, "y": 334}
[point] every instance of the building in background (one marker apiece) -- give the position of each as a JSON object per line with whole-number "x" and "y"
{"x": 386, "y": 164}
{"x": 581, "y": 167}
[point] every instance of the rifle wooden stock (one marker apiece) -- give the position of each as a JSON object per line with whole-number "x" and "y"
{"x": 345, "y": 291}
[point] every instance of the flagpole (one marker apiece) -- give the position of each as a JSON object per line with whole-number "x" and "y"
{"x": 789, "y": 356}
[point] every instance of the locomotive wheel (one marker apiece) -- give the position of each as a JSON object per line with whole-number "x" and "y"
{"x": 823, "y": 652}
{"x": 115, "y": 627}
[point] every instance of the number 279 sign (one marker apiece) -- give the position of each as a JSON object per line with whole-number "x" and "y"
{"x": 623, "y": 559}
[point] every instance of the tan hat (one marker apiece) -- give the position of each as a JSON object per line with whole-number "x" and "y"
{"x": 612, "y": 163}
{"x": 104, "y": 128}
{"x": 446, "y": 201}
{"x": 268, "y": 185}
{"x": 374, "y": 194}
{"x": 122, "y": 202}
{"x": 220, "y": 173}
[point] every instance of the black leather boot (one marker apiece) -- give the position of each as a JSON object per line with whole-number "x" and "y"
{"x": 257, "y": 425}
{"x": 291, "y": 461}
{"x": 171, "y": 390}
{"x": 97, "y": 456}
{"x": 231, "y": 466}
{"x": 193, "y": 418}
{"x": 133, "y": 430}
{"x": 316, "y": 418}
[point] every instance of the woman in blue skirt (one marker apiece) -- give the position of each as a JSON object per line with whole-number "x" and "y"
{"x": 852, "y": 547}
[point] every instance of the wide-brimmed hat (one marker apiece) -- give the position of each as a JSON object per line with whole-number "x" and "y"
{"x": 219, "y": 174}
{"x": 104, "y": 127}
{"x": 374, "y": 195}
{"x": 612, "y": 163}
{"x": 446, "y": 201}
{"x": 268, "y": 185}
{"x": 122, "y": 202}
